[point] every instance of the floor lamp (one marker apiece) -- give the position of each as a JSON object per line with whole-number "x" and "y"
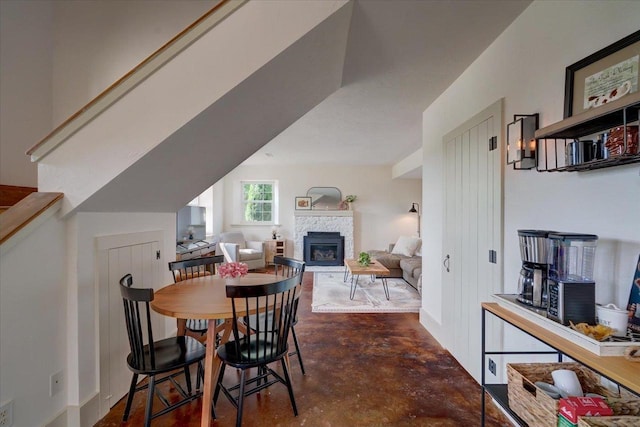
{"x": 416, "y": 211}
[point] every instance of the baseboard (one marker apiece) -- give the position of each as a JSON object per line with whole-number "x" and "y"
{"x": 433, "y": 327}
{"x": 60, "y": 420}
{"x": 90, "y": 411}
{"x": 85, "y": 415}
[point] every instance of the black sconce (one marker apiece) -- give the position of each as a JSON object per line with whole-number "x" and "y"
{"x": 521, "y": 141}
{"x": 416, "y": 211}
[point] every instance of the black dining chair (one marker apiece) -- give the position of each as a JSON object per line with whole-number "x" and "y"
{"x": 188, "y": 269}
{"x": 170, "y": 356}
{"x": 266, "y": 343}
{"x": 288, "y": 267}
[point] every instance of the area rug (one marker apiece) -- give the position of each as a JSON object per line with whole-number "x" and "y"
{"x": 331, "y": 295}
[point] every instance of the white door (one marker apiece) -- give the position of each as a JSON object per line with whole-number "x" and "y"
{"x": 473, "y": 231}
{"x": 139, "y": 255}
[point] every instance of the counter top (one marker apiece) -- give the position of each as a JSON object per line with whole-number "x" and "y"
{"x": 616, "y": 368}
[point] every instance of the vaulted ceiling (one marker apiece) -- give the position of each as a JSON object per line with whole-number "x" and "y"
{"x": 401, "y": 55}
{"x": 351, "y": 91}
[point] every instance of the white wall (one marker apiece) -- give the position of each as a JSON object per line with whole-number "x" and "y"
{"x": 381, "y": 210}
{"x": 33, "y": 323}
{"x": 57, "y": 56}
{"x": 526, "y": 65}
{"x": 89, "y": 54}
{"x": 26, "y": 55}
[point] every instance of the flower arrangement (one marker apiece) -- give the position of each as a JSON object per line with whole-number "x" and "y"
{"x": 233, "y": 270}
{"x": 350, "y": 198}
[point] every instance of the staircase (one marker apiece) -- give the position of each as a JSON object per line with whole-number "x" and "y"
{"x": 196, "y": 108}
{"x": 12, "y": 194}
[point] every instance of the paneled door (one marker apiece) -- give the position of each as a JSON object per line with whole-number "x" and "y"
{"x": 473, "y": 231}
{"x": 139, "y": 255}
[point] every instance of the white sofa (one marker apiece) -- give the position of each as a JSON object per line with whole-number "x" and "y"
{"x": 236, "y": 249}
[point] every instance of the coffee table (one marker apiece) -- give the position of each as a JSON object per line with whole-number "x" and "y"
{"x": 375, "y": 269}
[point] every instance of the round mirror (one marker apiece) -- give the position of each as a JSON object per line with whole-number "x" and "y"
{"x": 324, "y": 198}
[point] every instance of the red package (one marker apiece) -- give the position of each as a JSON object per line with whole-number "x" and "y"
{"x": 573, "y": 407}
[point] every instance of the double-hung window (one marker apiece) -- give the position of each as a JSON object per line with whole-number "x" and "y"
{"x": 259, "y": 200}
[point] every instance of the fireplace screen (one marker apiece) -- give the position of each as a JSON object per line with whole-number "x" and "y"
{"x": 321, "y": 248}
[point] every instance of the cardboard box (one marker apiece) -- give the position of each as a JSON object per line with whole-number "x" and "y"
{"x": 573, "y": 407}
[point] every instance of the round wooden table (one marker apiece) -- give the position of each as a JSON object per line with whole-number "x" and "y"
{"x": 205, "y": 298}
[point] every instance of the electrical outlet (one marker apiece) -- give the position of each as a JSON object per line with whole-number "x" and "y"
{"x": 6, "y": 414}
{"x": 56, "y": 383}
{"x": 492, "y": 366}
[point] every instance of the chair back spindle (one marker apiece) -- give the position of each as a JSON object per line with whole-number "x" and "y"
{"x": 136, "y": 304}
{"x": 274, "y": 303}
{"x": 195, "y": 267}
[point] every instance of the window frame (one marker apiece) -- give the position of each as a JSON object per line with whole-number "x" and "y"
{"x": 274, "y": 202}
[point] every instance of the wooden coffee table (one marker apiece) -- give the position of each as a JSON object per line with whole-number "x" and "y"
{"x": 375, "y": 269}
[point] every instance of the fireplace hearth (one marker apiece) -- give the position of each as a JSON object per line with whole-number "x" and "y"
{"x": 323, "y": 248}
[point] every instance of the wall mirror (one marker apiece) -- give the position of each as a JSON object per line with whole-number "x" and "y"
{"x": 324, "y": 198}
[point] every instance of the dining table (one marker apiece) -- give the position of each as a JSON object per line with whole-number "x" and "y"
{"x": 205, "y": 298}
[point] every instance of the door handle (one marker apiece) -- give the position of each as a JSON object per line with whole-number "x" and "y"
{"x": 446, "y": 262}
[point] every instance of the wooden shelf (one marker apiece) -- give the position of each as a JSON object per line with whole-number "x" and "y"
{"x": 553, "y": 139}
{"x": 616, "y": 368}
{"x": 595, "y": 120}
{"x": 500, "y": 394}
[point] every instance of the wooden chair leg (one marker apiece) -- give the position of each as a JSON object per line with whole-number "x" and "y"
{"x": 187, "y": 376}
{"x": 151, "y": 391}
{"x": 132, "y": 391}
{"x": 287, "y": 378}
{"x": 241, "y": 398}
{"x": 295, "y": 342}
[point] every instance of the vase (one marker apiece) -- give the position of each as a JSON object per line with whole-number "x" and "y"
{"x": 229, "y": 281}
{"x": 349, "y": 207}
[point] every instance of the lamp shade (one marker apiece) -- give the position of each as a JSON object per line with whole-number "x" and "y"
{"x": 413, "y": 208}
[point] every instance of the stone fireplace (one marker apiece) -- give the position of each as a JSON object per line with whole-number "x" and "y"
{"x": 340, "y": 222}
{"x": 323, "y": 248}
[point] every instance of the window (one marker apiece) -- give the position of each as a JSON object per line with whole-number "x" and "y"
{"x": 258, "y": 202}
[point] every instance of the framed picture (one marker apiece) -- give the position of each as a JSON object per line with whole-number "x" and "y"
{"x": 605, "y": 76}
{"x": 303, "y": 203}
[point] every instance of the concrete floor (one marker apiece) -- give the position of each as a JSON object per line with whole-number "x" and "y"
{"x": 361, "y": 370}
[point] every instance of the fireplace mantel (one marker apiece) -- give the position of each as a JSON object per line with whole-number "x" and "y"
{"x": 323, "y": 213}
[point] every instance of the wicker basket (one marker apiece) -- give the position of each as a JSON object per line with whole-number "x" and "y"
{"x": 540, "y": 410}
{"x": 622, "y": 421}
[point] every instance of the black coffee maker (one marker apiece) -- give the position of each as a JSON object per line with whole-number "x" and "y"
{"x": 532, "y": 283}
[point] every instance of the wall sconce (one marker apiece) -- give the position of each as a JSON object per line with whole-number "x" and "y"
{"x": 521, "y": 141}
{"x": 416, "y": 211}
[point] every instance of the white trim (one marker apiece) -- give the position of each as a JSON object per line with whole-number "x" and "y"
{"x": 323, "y": 213}
{"x": 275, "y": 203}
{"x": 30, "y": 227}
{"x": 140, "y": 74}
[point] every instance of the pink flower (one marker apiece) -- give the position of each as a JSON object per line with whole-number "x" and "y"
{"x": 233, "y": 269}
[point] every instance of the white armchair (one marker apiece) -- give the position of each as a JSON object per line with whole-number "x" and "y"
{"x": 236, "y": 249}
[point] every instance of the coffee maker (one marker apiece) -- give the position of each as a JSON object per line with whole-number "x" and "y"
{"x": 532, "y": 283}
{"x": 571, "y": 288}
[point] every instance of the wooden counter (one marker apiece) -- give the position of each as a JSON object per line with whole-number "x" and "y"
{"x": 616, "y": 368}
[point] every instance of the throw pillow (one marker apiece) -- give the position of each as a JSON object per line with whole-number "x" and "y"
{"x": 406, "y": 246}
{"x": 418, "y": 251}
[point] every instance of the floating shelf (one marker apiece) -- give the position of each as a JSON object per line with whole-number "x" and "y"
{"x": 623, "y": 112}
{"x": 593, "y": 121}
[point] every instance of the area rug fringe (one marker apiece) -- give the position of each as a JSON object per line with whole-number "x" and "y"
{"x": 331, "y": 295}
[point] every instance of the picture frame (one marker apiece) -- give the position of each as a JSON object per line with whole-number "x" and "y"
{"x": 303, "y": 203}
{"x": 604, "y": 76}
